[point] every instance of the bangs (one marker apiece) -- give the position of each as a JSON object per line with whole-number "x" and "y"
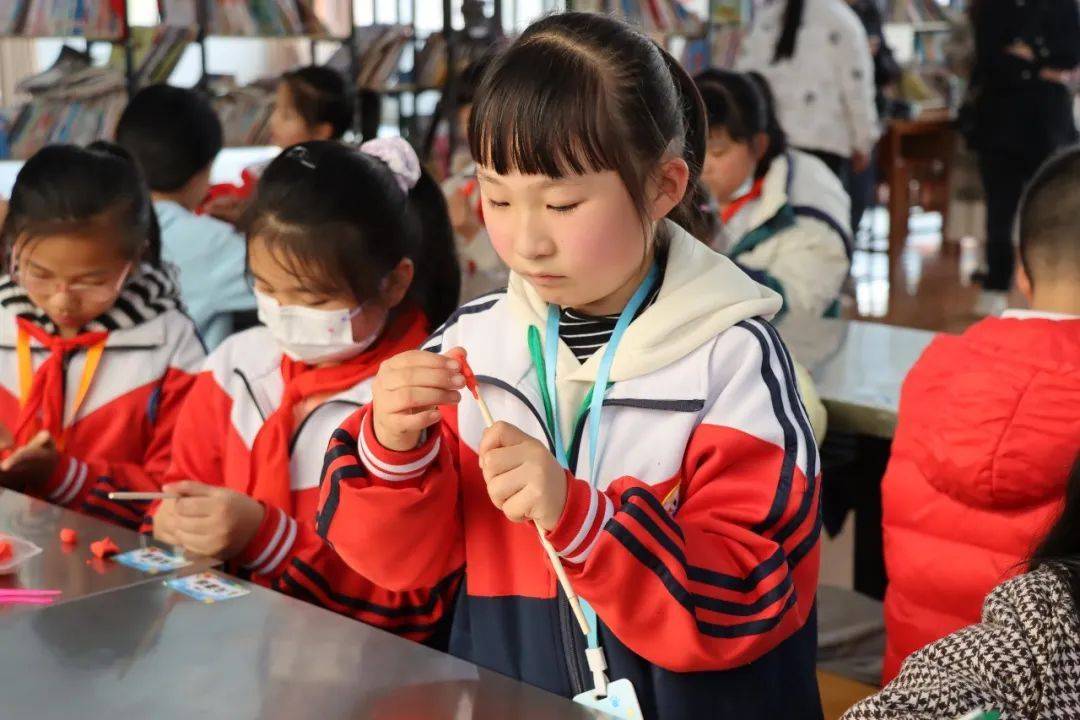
{"x": 304, "y": 254}
{"x": 542, "y": 110}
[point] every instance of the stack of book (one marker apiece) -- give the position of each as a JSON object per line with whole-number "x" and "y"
{"x": 84, "y": 106}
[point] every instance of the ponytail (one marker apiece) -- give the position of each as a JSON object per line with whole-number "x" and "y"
{"x": 688, "y": 213}
{"x": 436, "y": 283}
{"x": 785, "y": 44}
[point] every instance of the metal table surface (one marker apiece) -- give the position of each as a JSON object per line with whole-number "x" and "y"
{"x": 150, "y": 652}
{"x": 858, "y": 368}
{"x": 71, "y": 569}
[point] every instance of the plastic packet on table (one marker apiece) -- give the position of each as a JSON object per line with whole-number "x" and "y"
{"x": 21, "y": 551}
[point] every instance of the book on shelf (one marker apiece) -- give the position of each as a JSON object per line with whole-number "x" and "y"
{"x": 727, "y": 12}
{"x": 727, "y": 42}
{"x": 244, "y": 110}
{"x": 156, "y": 51}
{"x": 12, "y": 13}
{"x": 917, "y": 12}
{"x": 378, "y": 50}
{"x": 103, "y": 19}
{"x": 247, "y": 18}
{"x": 655, "y": 17}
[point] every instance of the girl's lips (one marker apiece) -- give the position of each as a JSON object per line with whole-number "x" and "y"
{"x": 545, "y": 279}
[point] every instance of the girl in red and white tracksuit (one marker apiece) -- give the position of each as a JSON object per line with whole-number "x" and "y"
{"x": 647, "y": 420}
{"x": 96, "y": 353}
{"x": 338, "y": 293}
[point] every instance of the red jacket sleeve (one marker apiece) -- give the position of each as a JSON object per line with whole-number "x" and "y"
{"x": 290, "y": 555}
{"x": 84, "y": 484}
{"x": 393, "y": 517}
{"x": 733, "y": 571}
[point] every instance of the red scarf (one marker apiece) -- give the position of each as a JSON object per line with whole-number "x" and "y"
{"x": 44, "y": 406}
{"x": 270, "y": 477}
{"x": 737, "y": 204}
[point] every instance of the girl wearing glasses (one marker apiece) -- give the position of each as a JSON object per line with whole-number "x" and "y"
{"x": 96, "y": 353}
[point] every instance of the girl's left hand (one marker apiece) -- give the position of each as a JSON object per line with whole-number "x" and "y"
{"x": 523, "y": 479}
{"x": 31, "y": 464}
{"x": 214, "y": 521}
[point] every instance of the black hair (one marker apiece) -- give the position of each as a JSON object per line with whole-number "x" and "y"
{"x": 789, "y": 31}
{"x": 370, "y": 111}
{"x": 1048, "y": 219}
{"x": 469, "y": 80}
{"x": 580, "y": 92}
{"x": 1060, "y": 549}
{"x": 742, "y": 104}
{"x": 321, "y": 95}
{"x": 69, "y": 189}
{"x": 341, "y": 222}
{"x": 172, "y": 132}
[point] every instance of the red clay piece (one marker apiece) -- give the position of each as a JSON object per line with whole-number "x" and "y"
{"x": 68, "y": 536}
{"x": 5, "y": 550}
{"x": 470, "y": 377}
{"x": 104, "y": 548}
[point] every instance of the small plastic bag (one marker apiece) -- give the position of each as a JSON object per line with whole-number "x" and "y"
{"x": 21, "y": 551}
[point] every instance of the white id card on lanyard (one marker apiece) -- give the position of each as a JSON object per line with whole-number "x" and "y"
{"x": 615, "y": 698}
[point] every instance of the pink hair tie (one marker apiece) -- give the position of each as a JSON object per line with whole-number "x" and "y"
{"x": 398, "y": 155}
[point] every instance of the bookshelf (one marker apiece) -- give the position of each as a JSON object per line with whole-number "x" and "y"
{"x": 371, "y": 55}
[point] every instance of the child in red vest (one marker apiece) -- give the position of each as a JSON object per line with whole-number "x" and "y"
{"x": 989, "y": 424}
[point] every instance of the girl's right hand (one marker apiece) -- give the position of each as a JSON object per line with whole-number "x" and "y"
{"x": 406, "y": 394}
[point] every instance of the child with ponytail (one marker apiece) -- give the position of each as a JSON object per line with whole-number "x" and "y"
{"x": 342, "y": 285}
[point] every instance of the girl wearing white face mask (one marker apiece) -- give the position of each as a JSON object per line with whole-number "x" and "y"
{"x": 339, "y": 250}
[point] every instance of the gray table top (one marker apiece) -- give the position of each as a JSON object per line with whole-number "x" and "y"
{"x": 148, "y": 651}
{"x": 858, "y": 368}
{"x": 74, "y": 570}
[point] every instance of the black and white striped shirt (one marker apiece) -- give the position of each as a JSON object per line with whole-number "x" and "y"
{"x": 585, "y": 334}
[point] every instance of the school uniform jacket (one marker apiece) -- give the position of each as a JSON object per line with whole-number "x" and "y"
{"x": 796, "y": 238}
{"x": 707, "y": 603}
{"x": 238, "y": 389}
{"x": 121, "y": 436}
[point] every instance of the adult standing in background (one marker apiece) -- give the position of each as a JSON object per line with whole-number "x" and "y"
{"x": 816, "y": 57}
{"x": 886, "y": 73}
{"x": 1025, "y": 51}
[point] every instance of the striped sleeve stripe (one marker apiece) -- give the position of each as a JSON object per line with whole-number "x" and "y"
{"x": 579, "y": 550}
{"x": 635, "y": 506}
{"x": 798, "y": 410}
{"x": 787, "y": 426}
{"x": 387, "y": 470}
{"x": 284, "y": 548}
{"x": 73, "y": 483}
{"x": 281, "y": 527}
{"x": 432, "y": 602}
{"x": 685, "y": 598}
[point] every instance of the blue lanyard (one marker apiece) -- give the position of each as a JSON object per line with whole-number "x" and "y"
{"x": 596, "y": 405}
